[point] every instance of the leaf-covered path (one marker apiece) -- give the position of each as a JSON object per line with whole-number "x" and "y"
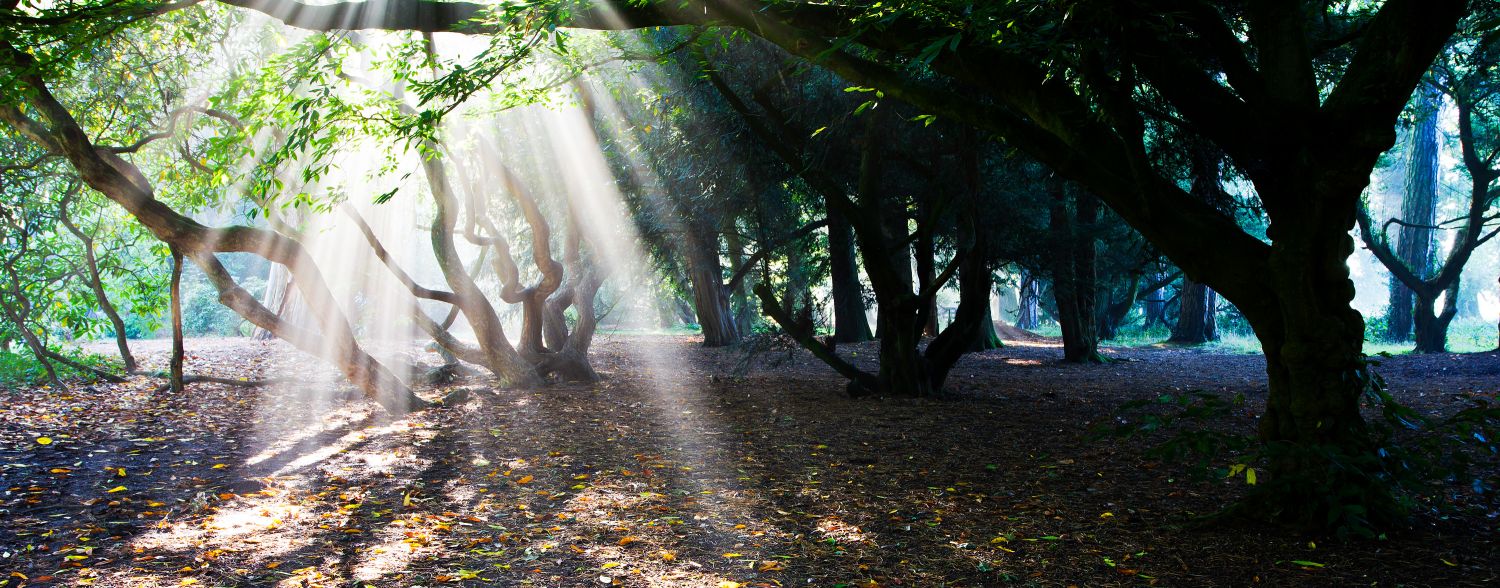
{"x": 684, "y": 468}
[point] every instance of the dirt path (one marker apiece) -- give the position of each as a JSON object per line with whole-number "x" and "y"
{"x": 686, "y": 467}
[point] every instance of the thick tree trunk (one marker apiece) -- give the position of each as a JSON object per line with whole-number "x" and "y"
{"x": 174, "y": 366}
{"x": 710, "y": 300}
{"x": 1195, "y": 316}
{"x": 1431, "y": 325}
{"x": 987, "y": 338}
{"x": 903, "y": 370}
{"x": 849, "y": 322}
{"x": 1028, "y": 303}
{"x": 1073, "y": 274}
{"x": 1313, "y": 341}
{"x": 1419, "y": 210}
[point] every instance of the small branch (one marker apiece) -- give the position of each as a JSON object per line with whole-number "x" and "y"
{"x": 749, "y": 263}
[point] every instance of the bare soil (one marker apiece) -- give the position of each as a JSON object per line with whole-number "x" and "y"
{"x": 685, "y": 467}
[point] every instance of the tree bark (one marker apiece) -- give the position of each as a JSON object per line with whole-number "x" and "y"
{"x": 987, "y": 338}
{"x": 1073, "y": 273}
{"x": 1028, "y": 299}
{"x": 1419, "y": 211}
{"x": 850, "y": 324}
{"x": 1196, "y": 321}
{"x": 174, "y": 369}
{"x": 710, "y": 300}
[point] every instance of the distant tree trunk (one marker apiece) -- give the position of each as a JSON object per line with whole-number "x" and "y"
{"x": 278, "y": 286}
{"x": 1196, "y": 321}
{"x": 1028, "y": 298}
{"x": 740, "y": 301}
{"x": 1115, "y": 311}
{"x": 1156, "y": 307}
{"x": 1073, "y": 274}
{"x": 710, "y": 300}
{"x": 987, "y": 339}
{"x": 926, "y": 254}
{"x": 849, "y": 322}
{"x": 1419, "y": 211}
{"x": 175, "y": 365}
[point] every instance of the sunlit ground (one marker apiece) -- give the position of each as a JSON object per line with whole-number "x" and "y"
{"x": 680, "y": 474}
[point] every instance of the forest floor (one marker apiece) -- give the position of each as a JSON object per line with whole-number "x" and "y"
{"x": 684, "y": 467}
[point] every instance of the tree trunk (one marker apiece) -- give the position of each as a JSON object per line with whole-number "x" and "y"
{"x": 1195, "y": 315}
{"x": 987, "y": 339}
{"x": 849, "y": 322}
{"x": 710, "y": 300}
{"x": 38, "y": 349}
{"x": 1419, "y": 209}
{"x": 1028, "y": 302}
{"x": 903, "y": 370}
{"x": 1313, "y": 340}
{"x": 1431, "y": 325}
{"x": 1073, "y": 274}
{"x": 174, "y": 371}
{"x": 1156, "y": 307}
{"x": 96, "y": 283}
{"x": 739, "y": 299}
{"x": 1114, "y": 311}
{"x": 925, "y": 252}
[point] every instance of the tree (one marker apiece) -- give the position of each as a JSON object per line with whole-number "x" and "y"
{"x": 1418, "y": 211}
{"x": 1465, "y": 74}
{"x": 1301, "y": 96}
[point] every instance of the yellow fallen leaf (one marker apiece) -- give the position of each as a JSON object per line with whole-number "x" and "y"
{"x": 627, "y": 540}
{"x": 734, "y": 555}
{"x": 526, "y": 479}
{"x": 115, "y": 489}
{"x": 771, "y": 566}
{"x": 667, "y": 556}
{"x": 44, "y": 440}
{"x": 188, "y": 581}
{"x": 219, "y": 466}
{"x": 729, "y": 584}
